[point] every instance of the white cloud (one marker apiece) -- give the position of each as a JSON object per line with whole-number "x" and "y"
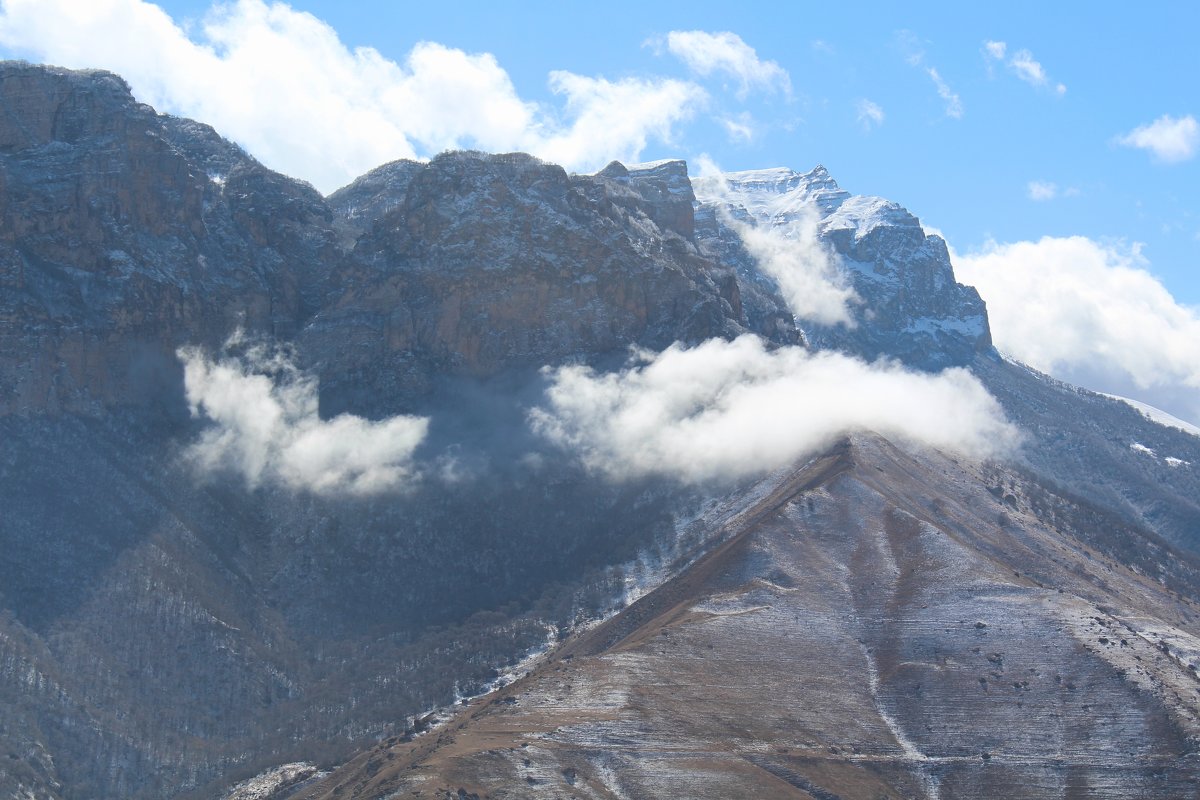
{"x": 1093, "y": 315}
{"x": 281, "y": 83}
{"x": 870, "y": 115}
{"x": 733, "y": 409}
{"x": 1023, "y": 65}
{"x": 1170, "y": 139}
{"x": 954, "y": 106}
{"x": 1042, "y": 190}
{"x": 710, "y": 53}
{"x": 266, "y": 428}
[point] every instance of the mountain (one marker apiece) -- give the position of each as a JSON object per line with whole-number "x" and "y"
{"x": 871, "y": 624}
{"x": 170, "y": 631}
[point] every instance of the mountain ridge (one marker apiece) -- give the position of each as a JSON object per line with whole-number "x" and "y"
{"x": 166, "y": 634}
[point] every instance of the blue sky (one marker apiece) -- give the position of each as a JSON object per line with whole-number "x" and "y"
{"x": 1001, "y": 126}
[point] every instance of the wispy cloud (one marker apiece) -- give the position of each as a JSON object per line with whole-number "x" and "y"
{"x": 791, "y": 252}
{"x": 740, "y": 127}
{"x": 914, "y": 53}
{"x": 725, "y": 53}
{"x": 1092, "y": 314}
{"x": 1169, "y": 139}
{"x": 281, "y": 83}
{"x": 954, "y": 106}
{"x": 265, "y": 427}
{"x": 731, "y": 409}
{"x": 870, "y": 114}
{"x": 1042, "y": 190}
{"x": 1022, "y": 64}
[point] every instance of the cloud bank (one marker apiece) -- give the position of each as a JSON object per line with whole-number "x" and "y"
{"x": 1093, "y": 315}
{"x": 281, "y": 83}
{"x": 726, "y": 53}
{"x": 1168, "y": 138}
{"x": 726, "y": 410}
{"x": 266, "y": 429}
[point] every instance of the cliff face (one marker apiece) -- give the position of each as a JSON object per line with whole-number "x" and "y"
{"x": 480, "y": 263}
{"x": 124, "y": 234}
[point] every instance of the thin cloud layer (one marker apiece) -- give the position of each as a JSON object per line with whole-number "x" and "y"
{"x": 914, "y": 54}
{"x": 725, "y": 410}
{"x": 725, "y": 53}
{"x": 266, "y": 429}
{"x": 1093, "y": 315}
{"x": 282, "y": 84}
{"x": 1169, "y": 139}
{"x": 870, "y": 114}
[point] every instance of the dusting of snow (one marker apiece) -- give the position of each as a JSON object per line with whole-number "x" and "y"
{"x": 1141, "y": 448}
{"x": 1158, "y": 415}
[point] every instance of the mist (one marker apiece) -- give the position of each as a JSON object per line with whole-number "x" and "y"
{"x": 726, "y": 410}
{"x": 265, "y": 428}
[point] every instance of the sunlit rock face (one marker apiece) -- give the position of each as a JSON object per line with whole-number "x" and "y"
{"x": 908, "y": 304}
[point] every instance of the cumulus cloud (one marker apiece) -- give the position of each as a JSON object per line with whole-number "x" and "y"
{"x": 1091, "y": 314}
{"x": 266, "y": 428}
{"x": 1022, "y": 64}
{"x": 726, "y": 53}
{"x": 870, "y": 115}
{"x": 733, "y": 409}
{"x": 281, "y": 83}
{"x": 1170, "y": 139}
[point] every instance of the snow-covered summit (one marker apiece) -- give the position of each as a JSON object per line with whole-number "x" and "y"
{"x": 772, "y": 195}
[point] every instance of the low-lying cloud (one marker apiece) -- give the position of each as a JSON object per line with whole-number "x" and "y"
{"x": 726, "y": 410}
{"x": 266, "y": 428}
{"x": 1091, "y": 314}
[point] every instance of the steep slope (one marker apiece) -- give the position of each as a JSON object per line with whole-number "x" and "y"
{"x": 874, "y": 624}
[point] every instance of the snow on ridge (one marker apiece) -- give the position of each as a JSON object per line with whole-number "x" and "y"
{"x": 1158, "y": 415}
